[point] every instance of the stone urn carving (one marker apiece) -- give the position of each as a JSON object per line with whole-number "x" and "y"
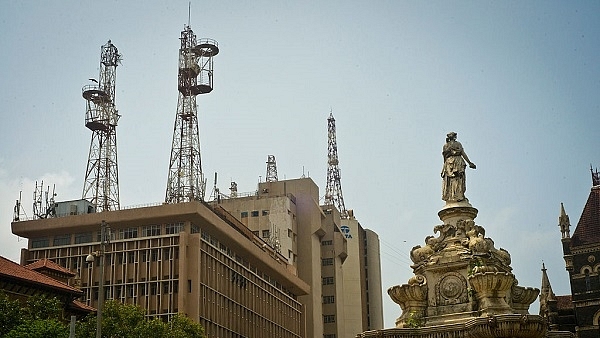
{"x": 522, "y": 297}
{"x": 490, "y": 291}
{"x": 412, "y": 298}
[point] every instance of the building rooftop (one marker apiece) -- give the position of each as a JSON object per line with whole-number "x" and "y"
{"x": 588, "y": 228}
{"x": 10, "y": 270}
{"x": 46, "y": 264}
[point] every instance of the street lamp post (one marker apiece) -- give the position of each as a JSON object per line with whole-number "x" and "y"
{"x": 90, "y": 258}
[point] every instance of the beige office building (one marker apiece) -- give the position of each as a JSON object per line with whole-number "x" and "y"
{"x": 180, "y": 258}
{"x": 343, "y": 272}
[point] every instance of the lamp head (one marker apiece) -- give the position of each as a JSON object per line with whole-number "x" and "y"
{"x": 90, "y": 258}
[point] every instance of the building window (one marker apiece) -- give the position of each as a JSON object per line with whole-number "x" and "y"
{"x": 256, "y": 233}
{"x": 143, "y": 290}
{"x": 329, "y": 335}
{"x": 83, "y": 238}
{"x": 189, "y": 285}
{"x": 244, "y": 214}
{"x": 130, "y": 290}
{"x": 154, "y": 255}
{"x": 329, "y": 242}
{"x": 326, "y": 261}
{"x": 173, "y": 228}
{"x": 265, "y": 212}
{"x": 151, "y": 230}
{"x": 144, "y": 256}
{"x": 40, "y": 242}
{"x": 328, "y": 319}
{"x": 266, "y": 233}
{"x": 328, "y": 299}
{"x": 175, "y": 286}
{"x": 128, "y": 233}
{"x": 327, "y": 280}
{"x": 254, "y": 213}
{"x": 194, "y": 229}
{"x": 62, "y": 240}
{"x": 588, "y": 282}
{"x": 290, "y": 233}
{"x": 131, "y": 257}
{"x": 153, "y": 289}
{"x": 165, "y": 288}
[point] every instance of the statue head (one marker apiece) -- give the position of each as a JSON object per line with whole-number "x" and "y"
{"x": 451, "y": 136}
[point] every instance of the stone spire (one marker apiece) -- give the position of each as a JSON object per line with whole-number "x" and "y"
{"x": 563, "y": 222}
{"x": 548, "y": 301}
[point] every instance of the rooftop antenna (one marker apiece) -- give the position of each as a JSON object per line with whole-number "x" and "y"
{"x": 216, "y": 195}
{"x": 271, "y": 169}
{"x": 189, "y": 12}
{"x": 333, "y": 191}
{"x": 233, "y": 189}
{"x": 186, "y": 181}
{"x": 101, "y": 185}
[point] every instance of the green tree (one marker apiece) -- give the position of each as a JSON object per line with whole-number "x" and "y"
{"x": 10, "y": 314}
{"x": 39, "y": 328}
{"x": 41, "y": 317}
{"x": 129, "y": 321}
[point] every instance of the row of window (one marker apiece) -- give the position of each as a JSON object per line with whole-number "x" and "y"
{"x": 254, "y": 213}
{"x": 127, "y": 233}
{"x": 144, "y": 289}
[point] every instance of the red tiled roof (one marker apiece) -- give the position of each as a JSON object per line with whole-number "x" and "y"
{"x": 77, "y": 305}
{"x": 564, "y": 302}
{"x": 50, "y": 265}
{"x": 12, "y": 270}
{"x": 588, "y": 228}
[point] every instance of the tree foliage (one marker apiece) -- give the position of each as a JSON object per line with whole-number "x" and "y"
{"x": 40, "y": 317}
{"x": 129, "y": 321}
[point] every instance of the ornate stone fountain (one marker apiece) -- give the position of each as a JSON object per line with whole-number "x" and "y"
{"x": 463, "y": 285}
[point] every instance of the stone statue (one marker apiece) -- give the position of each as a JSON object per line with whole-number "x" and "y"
{"x": 453, "y": 172}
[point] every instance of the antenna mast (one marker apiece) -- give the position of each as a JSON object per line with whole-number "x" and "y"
{"x": 101, "y": 186}
{"x": 186, "y": 181}
{"x": 333, "y": 191}
{"x": 271, "y": 169}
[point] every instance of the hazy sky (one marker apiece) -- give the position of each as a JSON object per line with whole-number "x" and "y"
{"x": 519, "y": 81}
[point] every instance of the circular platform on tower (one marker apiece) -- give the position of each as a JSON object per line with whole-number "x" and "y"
{"x": 95, "y": 94}
{"x": 207, "y": 47}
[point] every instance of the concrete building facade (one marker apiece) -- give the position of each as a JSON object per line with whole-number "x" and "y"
{"x": 178, "y": 258}
{"x": 345, "y": 296}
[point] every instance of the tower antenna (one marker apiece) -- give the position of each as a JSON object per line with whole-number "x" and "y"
{"x": 186, "y": 181}
{"x": 333, "y": 191}
{"x": 189, "y": 12}
{"x": 101, "y": 186}
{"x": 271, "y": 169}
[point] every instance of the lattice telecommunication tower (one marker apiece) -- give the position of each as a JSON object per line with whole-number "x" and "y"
{"x": 101, "y": 186}
{"x": 333, "y": 191}
{"x": 186, "y": 181}
{"x": 271, "y": 169}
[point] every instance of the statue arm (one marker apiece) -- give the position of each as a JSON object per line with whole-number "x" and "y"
{"x": 471, "y": 164}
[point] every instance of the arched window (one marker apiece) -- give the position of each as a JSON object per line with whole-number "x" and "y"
{"x": 588, "y": 282}
{"x": 596, "y": 318}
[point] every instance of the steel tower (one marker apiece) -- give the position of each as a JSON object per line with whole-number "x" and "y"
{"x": 271, "y": 169}
{"x": 186, "y": 181}
{"x": 333, "y": 191}
{"x": 101, "y": 186}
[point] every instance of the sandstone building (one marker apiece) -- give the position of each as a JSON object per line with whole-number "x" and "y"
{"x": 178, "y": 258}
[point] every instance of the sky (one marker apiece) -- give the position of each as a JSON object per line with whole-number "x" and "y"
{"x": 519, "y": 81}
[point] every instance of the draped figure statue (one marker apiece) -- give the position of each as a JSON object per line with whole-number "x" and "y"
{"x": 454, "y": 182}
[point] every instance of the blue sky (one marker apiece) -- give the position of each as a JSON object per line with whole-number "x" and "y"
{"x": 518, "y": 81}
